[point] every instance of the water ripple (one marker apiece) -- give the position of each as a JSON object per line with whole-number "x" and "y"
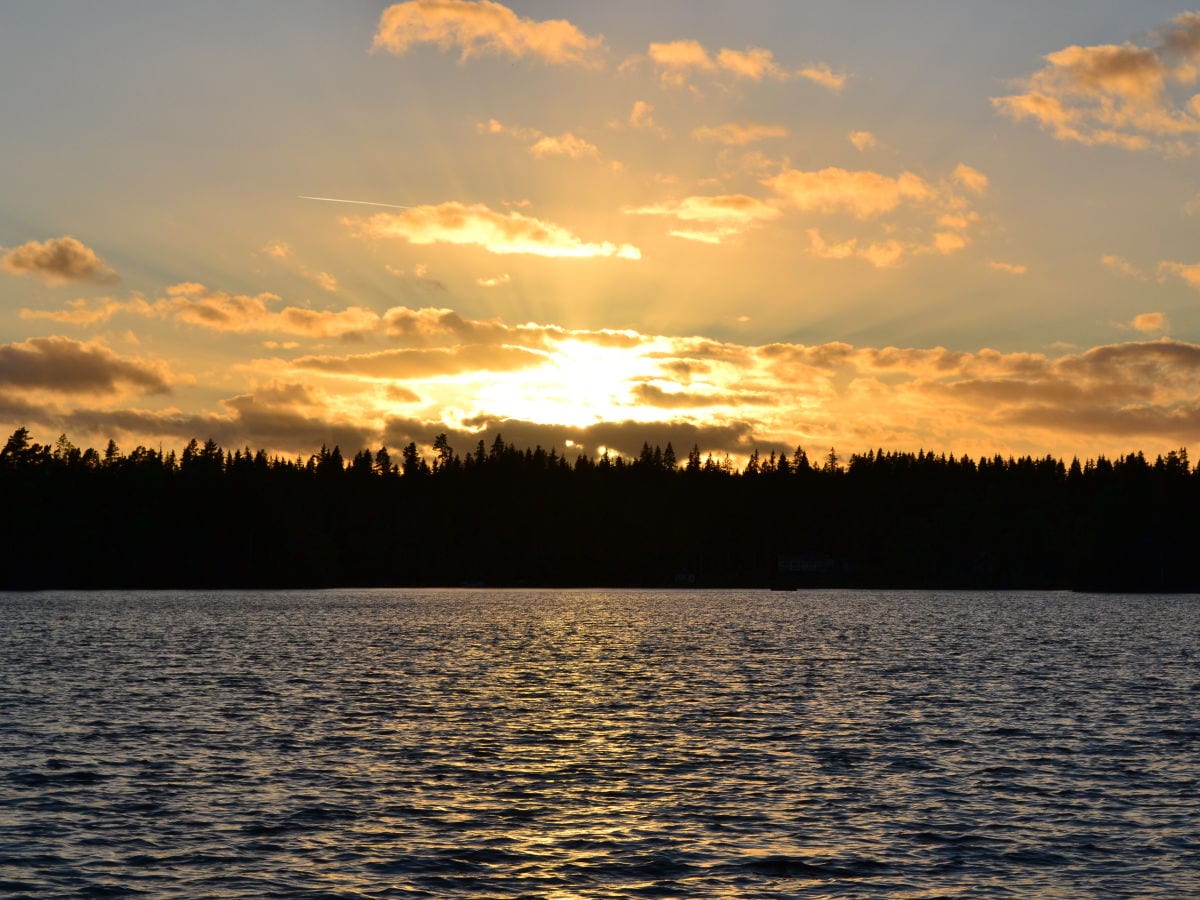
{"x": 598, "y": 744}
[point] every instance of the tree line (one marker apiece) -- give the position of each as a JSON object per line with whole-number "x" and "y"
{"x": 503, "y": 515}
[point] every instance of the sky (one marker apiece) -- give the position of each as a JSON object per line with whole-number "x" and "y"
{"x": 955, "y": 226}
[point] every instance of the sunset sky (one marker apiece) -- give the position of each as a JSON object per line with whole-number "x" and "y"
{"x": 961, "y": 226}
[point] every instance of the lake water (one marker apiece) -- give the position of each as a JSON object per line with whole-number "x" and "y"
{"x": 599, "y": 744}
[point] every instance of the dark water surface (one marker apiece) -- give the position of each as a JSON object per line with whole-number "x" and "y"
{"x": 599, "y": 744}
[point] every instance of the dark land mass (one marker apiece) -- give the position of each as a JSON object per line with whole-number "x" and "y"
{"x": 508, "y": 516}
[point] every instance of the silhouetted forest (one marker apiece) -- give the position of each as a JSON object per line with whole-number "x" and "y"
{"x": 503, "y": 515}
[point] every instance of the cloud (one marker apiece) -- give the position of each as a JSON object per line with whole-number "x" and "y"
{"x": 867, "y": 195}
{"x": 326, "y": 281}
{"x": 493, "y": 280}
{"x": 861, "y": 193}
{"x": 196, "y": 304}
{"x": 565, "y": 144}
{"x": 739, "y": 134}
{"x": 425, "y": 363}
{"x": 862, "y": 140}
{"x": 653, "y": 395}
{"x": 820, "y": 73}
{"x": 1189, "y": 272}
{"x": 58, "y": 261}
{"x": 277, "y": 249}
{"x": 642, "y": 115}
{"x": 544, "y": 145}
{"x": 882, "y": 254}
{"x": 67, "y": 366}
{"x": 1122, "y": 95}
{"x": 972, "y": 179}
{"x": 1007, "y": 267}
{"x": 85, "y": 312}
{"x": 686, "y": 54}
{"x": 713, "y": 218}
{"x": 676, "y": 60}
{"x": 541, "y": 383}
{"x": 484, "y": 28}
{"x": 946, "y": 242}
{"x": 221, "y": 311}
{"x": 1121, "y": 266}
{"x": 477, "y": 225}
{"x": 1149, "y": 322}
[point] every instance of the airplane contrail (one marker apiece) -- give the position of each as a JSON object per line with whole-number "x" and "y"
{"x": 359, "y": 202}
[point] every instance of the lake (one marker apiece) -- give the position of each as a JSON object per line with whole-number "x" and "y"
{"x": 548, "y": 743}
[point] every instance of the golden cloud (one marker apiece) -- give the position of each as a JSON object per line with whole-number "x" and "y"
{"x": 221, "y": 311}
{"x": 58, "y": 261}
{"x": 484, "y": 28}
{"x": 425, "y": 363}
{"x": 739, "y": 133}
{"x": 861, "y": 193}
{"x": 544, "y": 145}
{"x": 867, "y": 195}
{"x": 642, "y": 115}
{"x": 477, "y": 225}
{"x": 675, "y": 59}
{"x": 196, "y": 304}
{"x": 565, "y": 144}
{"x": 719, "y": 216}
{"x": 1122, "y": 95}
{"x": 471, "y": 377}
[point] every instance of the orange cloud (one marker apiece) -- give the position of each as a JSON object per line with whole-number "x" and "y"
{"x": 477, "y": 225}
{"x": 820, "y": 73}
{"x": 484, "y": 28}
{"x": 1121, "y": 95}
{"x": 675, "y": 59}
{"x": 739, "y": 133}
{"x": 642, "y": 115}
{"x": 1189, "y": 272}
{"x": 972, "y": 179}
{"x": 425, "y": 363}
{"x": 862, "y": 193}
{"x": 565, "y": 144}
{"x": 1149, "y": 322}
{"x": 58, "y": 261}
{"x": 686, "y": 54}
{"x": 470, "y": 377}
{"x": 867, "y": 195}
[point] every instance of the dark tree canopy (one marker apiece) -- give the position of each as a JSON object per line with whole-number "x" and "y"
{"x": 505, "y": 515}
